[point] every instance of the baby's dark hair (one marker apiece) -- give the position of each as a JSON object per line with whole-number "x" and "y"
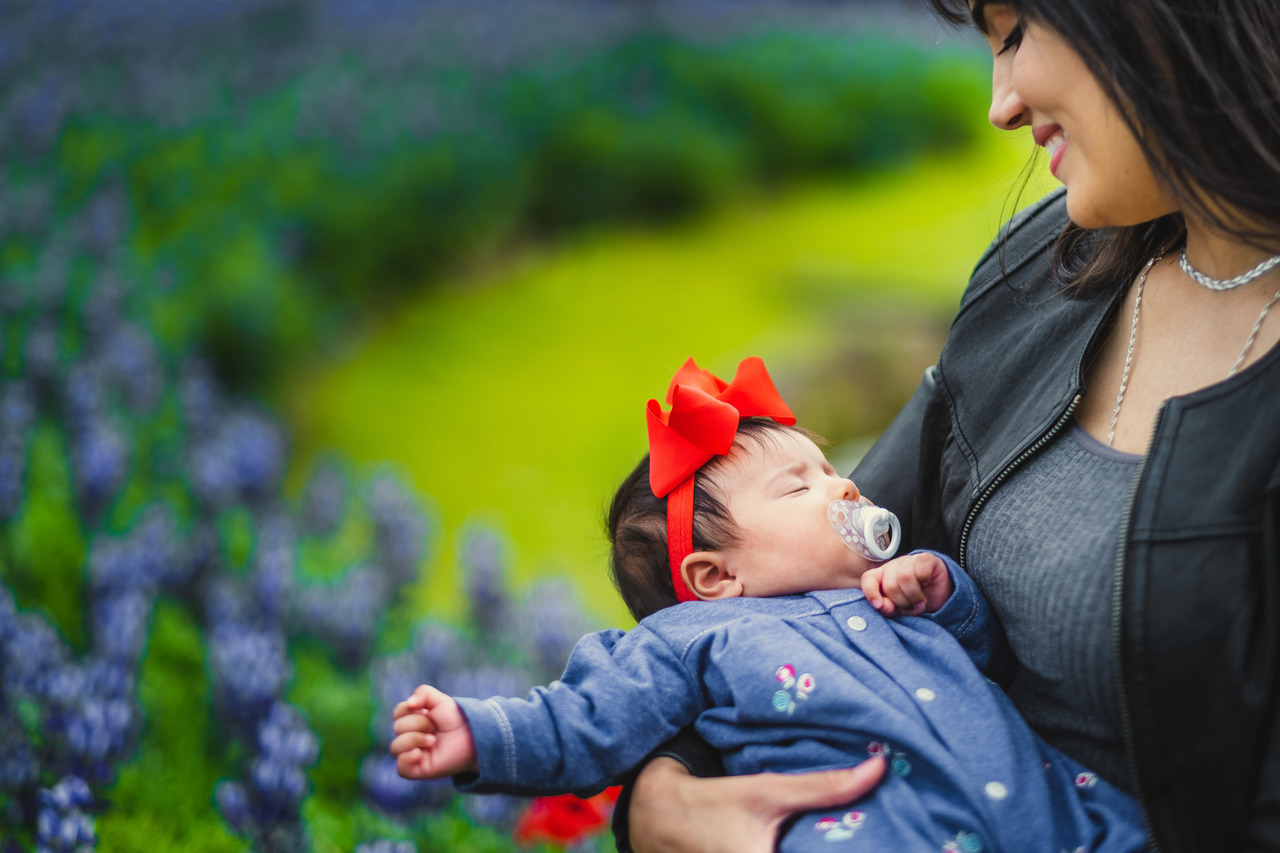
{"x": 637, "y": 525}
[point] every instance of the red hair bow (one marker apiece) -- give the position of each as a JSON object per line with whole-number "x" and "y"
{"x": 701, "y": 425}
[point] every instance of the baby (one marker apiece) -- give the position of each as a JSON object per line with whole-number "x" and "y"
{"x": 762, "y": 595}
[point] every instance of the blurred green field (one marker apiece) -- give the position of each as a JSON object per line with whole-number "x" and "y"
{"x": 514, "y": 395}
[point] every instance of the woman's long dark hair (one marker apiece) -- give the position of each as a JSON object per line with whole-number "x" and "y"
{"x": 1198, "y": 83}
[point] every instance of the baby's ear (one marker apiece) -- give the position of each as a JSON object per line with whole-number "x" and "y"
{"x": 709, "y": 577}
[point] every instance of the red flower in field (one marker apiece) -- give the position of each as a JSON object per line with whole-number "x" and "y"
{"x": 565, "y": 819}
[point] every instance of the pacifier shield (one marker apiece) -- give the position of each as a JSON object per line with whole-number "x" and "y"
{"x": 870, "y": 530}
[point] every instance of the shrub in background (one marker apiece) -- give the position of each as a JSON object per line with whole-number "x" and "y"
{"x": 281, "y": 169}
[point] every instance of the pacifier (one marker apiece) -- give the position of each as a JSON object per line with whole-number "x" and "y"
{"x": 870, "y": 530}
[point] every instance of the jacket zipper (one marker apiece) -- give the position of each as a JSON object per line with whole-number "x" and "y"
{"x": 1126, "y": 720}
{"x": 1117, "y": 615}
{"x": 1004, "y": 475}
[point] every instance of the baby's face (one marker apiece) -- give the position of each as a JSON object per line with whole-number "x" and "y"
{"x": 778, "y": 490}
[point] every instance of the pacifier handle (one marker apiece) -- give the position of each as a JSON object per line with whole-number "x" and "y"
{"x": 881, "y": 525}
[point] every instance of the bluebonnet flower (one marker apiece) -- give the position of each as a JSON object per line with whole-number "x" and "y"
{"x": 17, "y": 411}
{"x": 106, "y": 219}
{"x": 233, "y": 803}
{"x": 83, "y": 394}
{"x": 250, "y": 668}
{"x": 394, "y": 678}
{"x": 131, "y": 357}
{"x": 8, "y": 619}
{"x": 279, "y": 786}
{"x": 89, "y": 718}
{"x": 19, "y": 767}
{"x": 242, "y": 459}
{"x": 97, "y": 733}
{"x": 146, "y": 557}
{"x": 103, "y": 306}
{"x": 486, "y": 679}
{"x": 32, "y": 650}
{"x": 62, "y": 826}
{"x": 32, "y": 207}
{"x": 549, "y": 623}
{"x": 257, "y": 451}
{"x": 41, "y": 349}
{"x": 385, "y": 845}
{"x": 13, "y": 469}
{"x": 345, "y": 613}
{"x": 42, "y": 109}
{"x": 224, "y": 603}
{"x": 499, "y": 811}
{"x": 274, "y": 559}
{"x": 386, "y": 789}
{"x": 213, "y": 476}
{"x": 266, "y": 808}
{"x": 101, "y": 456}
{"x": 199, "y": 396}
{"x": 325, "y": 500}
{"x": 437, "y": 649}
{"x": 52, "y": 275}
{"x": 400, "y": 528}
{"x": 484, "y": 566}
{"x": 62, "y": 685}
{"x": 108, "y": 678}
{"x": 158, "y": 548}
{"x": 120, "y": 623}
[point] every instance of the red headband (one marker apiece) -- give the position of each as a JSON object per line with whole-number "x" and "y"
{"x": 701, "y": 425}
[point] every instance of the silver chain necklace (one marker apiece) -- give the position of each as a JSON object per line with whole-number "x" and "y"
{"x": 1225, "y": 283}
{"x": 1133, "y": 326}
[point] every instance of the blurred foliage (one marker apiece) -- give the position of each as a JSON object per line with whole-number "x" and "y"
{"x": 304, "y": 174}
{"x": 180, "y": 755}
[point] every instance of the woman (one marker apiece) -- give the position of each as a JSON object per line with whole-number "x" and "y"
{"x": 1100, "y": 442}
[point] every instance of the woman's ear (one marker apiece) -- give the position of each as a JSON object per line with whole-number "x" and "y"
{"x": 708, "y": 576}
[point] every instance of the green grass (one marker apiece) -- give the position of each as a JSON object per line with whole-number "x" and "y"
{"x": 514, "y": 397}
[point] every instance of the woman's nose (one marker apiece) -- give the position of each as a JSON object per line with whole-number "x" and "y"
{"x": 1007, "y": 109}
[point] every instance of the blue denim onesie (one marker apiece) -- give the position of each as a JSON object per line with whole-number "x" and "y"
{"x": 812, "y": 682}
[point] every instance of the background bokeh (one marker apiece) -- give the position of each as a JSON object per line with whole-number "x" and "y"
{"x": 327, "y": 327}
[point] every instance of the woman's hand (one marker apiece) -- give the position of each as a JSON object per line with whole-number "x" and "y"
{"x": 672, "y": 810}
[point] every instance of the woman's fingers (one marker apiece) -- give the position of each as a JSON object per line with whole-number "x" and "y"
{"x": 789, "y": 793}
{"x": 674, "y": 811}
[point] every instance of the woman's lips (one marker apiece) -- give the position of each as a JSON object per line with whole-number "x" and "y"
{"x": 1056, "y": 146}
{"x": 1054, "y": 140}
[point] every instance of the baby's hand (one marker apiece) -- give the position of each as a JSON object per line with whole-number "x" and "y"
{"x": 908, "y": 586}
{"x": 432, "y": 739}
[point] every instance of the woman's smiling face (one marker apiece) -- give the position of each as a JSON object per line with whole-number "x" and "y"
{"x": 1039, "y": 80}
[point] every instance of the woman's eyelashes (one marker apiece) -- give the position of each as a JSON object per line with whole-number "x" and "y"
{"x": 1014, "y": 38}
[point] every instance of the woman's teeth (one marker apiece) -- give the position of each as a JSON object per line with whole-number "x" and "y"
{"x": 1053, "y": 143}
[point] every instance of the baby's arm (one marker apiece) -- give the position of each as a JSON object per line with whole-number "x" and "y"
{"x": 908, "y": 586}
{"x": 961, "y": 612}
{"x": 620, "y": 696}
{"x": 432, "y": 739}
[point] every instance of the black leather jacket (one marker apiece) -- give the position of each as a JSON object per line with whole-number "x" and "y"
{"x": 1196, "y": 603}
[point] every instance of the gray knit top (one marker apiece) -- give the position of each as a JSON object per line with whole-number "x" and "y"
{"x": 1043, "y": 550}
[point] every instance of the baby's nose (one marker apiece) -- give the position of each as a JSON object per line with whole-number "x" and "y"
{"x": 847, "y": 490}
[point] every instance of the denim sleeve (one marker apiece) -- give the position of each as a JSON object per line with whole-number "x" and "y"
{"x": 967, "y": 617}
{"x": 621, "y": 696}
